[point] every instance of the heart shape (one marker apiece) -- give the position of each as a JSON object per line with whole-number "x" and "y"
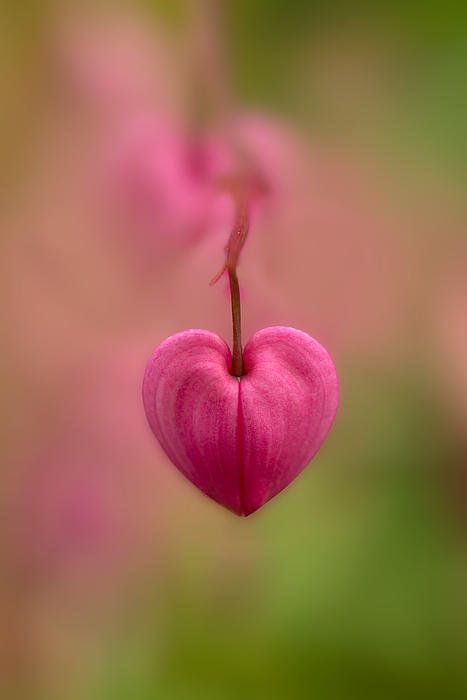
{"x": 241, "y": 440}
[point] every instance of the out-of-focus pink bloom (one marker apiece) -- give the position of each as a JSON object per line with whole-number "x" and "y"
{"x": 345, "y": 276}
{"x": 279, "y": 157}
{"x": 168, "y": 180}
{"x": 241, "y": 440}
{"x": 167, "y": 183}
{"x": 320, "y": 254}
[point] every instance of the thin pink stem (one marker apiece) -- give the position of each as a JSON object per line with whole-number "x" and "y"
{"x": 233, "y": 249}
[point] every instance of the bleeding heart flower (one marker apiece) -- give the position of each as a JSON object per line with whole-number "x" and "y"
{"x": 242, "y": 425}
{"x": 241, "y": 440}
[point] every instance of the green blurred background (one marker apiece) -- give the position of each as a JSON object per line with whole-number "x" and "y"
{"x": 352, "y": 583}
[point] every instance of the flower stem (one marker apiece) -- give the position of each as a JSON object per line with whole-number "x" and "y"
{"x": 237, "y": 350}
{"x": 232, "y": 254}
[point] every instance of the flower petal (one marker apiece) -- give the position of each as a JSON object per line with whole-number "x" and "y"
{"x": 288, "y": 401}
{"x": 191, "y": 402}
{"x": 241, "y": 441}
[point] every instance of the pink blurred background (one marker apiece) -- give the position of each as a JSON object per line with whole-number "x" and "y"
{"x": 120, "y": 124}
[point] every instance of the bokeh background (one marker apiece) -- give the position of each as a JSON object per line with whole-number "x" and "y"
{"x": 118, "y": 579}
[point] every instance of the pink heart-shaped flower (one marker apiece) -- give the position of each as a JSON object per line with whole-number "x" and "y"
{"x": 241, "y": 440}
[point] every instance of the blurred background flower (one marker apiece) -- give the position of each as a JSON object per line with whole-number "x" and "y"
{"x": 121, "y": 126}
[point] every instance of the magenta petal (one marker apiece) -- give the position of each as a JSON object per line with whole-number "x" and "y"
{"x": 288, "y": 401}
{"x": 241, "y": 441}
{"x": 191, "y": 403}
